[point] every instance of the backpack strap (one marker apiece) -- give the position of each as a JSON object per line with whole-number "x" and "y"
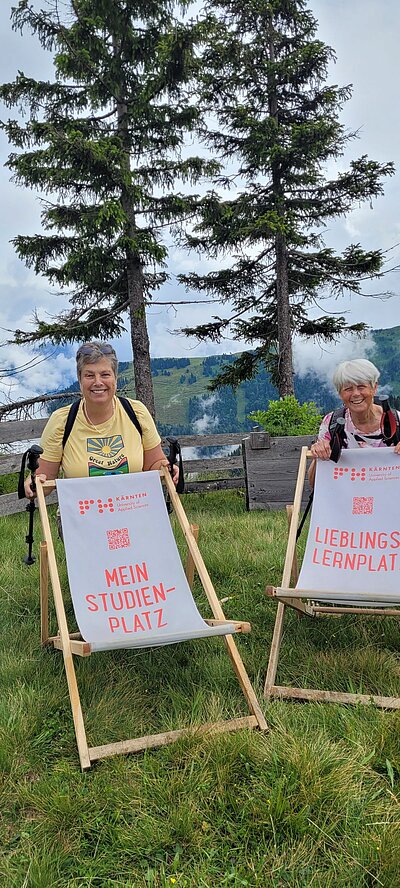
{"x": 73, "y": 411}
{"x": 389, "y": 423}
{"x": 337, "y": 433}
{"x": 131, "y": 413}
{"x": 338, "y": 412}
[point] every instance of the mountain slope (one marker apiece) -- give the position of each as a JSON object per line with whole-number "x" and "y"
{"x": 184, "y": 405}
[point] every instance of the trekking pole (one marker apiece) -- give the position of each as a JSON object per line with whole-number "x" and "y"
{"x": 174, "y": 452}
{"x": 31, "y": 458}
{"x": 175, "y": 457}
{"x": 306, "y": 511}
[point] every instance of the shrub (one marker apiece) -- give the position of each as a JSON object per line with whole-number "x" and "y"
{"x": 288, "y": 417}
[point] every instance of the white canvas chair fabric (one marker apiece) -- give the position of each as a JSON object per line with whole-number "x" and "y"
{"x": 353, "y": 543}
{"x": 352, "y": 557}
{"x": 126, "y": 577}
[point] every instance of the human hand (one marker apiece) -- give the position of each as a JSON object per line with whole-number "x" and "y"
{"x": 29, "y": 493}
{"x": 397, "y": 448}
{"x": 321, "y": 449}
{"x": 174, "y": 470}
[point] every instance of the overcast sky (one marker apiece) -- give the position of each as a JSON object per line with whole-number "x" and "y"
{"x": 364, "y": 35}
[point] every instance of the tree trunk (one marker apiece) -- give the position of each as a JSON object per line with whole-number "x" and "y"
{"x": 135, "y": 287}
{"x": 285, "y": 360}
{"x": 285, "y": 357}
{"x": 139, "y": 336}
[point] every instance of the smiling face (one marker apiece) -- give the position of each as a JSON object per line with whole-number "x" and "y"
{"x": 98, "y": 383}
{"x": 359, "y": 398}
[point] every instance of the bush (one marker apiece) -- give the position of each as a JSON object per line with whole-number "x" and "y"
{"x": 288, "y": 417}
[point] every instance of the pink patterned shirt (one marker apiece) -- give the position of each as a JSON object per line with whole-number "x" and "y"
{"x": 355, "y": 438}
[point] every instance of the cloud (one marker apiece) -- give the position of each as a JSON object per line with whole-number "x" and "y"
{"x": 359, "y": 31}
{"x": 26, "y": 372}
{"x": 311, "y": 358}
{"x": 209, "y": 420}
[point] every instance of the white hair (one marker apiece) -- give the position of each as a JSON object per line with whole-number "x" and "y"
{"x": 358, "y": 371}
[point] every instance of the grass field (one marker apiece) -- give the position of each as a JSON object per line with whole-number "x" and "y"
{"x": 312, "y": 802}
{"x": 171, "y": 396}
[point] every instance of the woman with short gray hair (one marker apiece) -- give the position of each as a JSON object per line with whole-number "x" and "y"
{"x": 356, "y": 383}
{"x": 107, "y": 435}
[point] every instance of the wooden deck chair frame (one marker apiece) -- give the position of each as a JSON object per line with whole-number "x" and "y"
{"x": 288, "y": 596}
{"x": 72, "y": 643}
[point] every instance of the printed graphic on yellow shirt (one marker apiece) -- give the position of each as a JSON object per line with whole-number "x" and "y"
{"x": 105, "y": 456}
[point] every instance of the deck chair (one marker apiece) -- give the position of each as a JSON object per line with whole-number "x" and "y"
{"x": 352, "y": 557}
{"x": 128, "y": 588}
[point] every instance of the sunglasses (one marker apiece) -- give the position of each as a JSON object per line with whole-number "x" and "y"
{"x": 105, "y": 349}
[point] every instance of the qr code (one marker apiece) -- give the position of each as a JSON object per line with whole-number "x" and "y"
{"x": 363, "y": 505}
{"x": 118, "y": 539}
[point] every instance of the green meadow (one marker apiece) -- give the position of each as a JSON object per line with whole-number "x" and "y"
{"x": 314, "y": 801}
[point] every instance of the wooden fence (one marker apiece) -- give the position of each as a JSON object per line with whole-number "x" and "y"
{"x": 19, "y": 434}
{"x": 266, "y": 468}
{"x": 271, "y": 466}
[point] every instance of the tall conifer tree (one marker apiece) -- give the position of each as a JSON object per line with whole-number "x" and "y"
{"x": 104, "y": 139}
{"x": 277, "y": 128}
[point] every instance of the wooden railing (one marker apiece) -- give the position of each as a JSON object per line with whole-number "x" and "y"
{"x": 20, "y": 433}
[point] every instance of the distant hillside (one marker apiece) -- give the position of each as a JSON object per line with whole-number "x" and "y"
{"x": 386, "y": 356}
{"x": 185, "y": 406}
{"x": 183, "y": 401}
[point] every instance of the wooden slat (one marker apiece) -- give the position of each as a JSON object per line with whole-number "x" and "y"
{"x": 317, "y": 695}
{"x": 312, "y": 609}
{"x": 215, "y": 463}
{"x": 234, "y": 438}
{"x": 365, "y": 611}
{"x": 80, "y": 648}
{"x": 331, "y": 597}
{"x": 156, "y": 740}
{"x": 288, "y": 446}
{"x": 10, "y": 504}
{"x": 220, "y": 484}
{"x": 21, "y": 430}
{"x": 239, "y": 625}
{"x": 10, "y": 463}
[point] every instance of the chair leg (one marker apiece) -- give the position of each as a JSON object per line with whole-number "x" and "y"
{"x": 294, "y": 576}
{"x": 44, "y": 593}
{"x": 275, "y": 647}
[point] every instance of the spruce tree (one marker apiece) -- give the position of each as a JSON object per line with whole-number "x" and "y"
{"x": 277, "y": 127}
{"x": 104, "y": 140}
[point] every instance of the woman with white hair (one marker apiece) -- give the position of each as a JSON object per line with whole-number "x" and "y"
{"x": 356, "y": 382}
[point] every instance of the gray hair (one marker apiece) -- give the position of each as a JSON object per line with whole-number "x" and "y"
{"x": 91, "y": 352}
{"x": 359, "y": 371}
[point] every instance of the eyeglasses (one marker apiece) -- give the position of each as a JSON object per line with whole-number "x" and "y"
{"x": 103, "y": 348}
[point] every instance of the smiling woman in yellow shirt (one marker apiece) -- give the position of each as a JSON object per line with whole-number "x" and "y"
{"x": 103, "y": 439}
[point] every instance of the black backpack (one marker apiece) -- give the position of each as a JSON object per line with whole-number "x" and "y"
{"x": 389, "y": 428}
{"x": 73, "y": 410}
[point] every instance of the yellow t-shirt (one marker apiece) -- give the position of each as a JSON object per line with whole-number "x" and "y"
{"x": 113, "y": 448}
